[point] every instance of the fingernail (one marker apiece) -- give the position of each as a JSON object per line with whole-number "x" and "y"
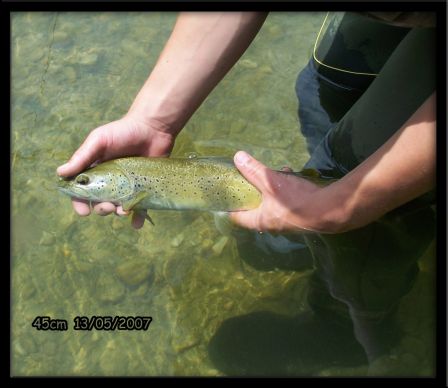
{"x": 62, "y": 167}
{"x": 242, "y": 158}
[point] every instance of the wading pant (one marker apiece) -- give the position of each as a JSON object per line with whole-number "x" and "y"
{"x": 363, "y": 274}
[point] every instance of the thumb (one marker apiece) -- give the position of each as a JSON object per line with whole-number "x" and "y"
{"x": 90, "y": 151}
{"x": 254, "y": 171}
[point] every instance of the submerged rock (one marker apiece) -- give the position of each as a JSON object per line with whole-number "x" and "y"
{"x": 248, "y": 64}
{"x": 24, "y": 346}
{"x": 133, "y": 272}
{"x": 109, "y": 289}
{"x": 113, "y": 360}
{"x": 87, "y": 58}
{"x": 47, "y": 239}
{"x": 220, "y": 245}
{"x": 176, "y": 241}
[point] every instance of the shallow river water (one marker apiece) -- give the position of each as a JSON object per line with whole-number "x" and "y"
{"x": 72, "y": 72}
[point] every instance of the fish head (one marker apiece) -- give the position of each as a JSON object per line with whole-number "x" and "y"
{"x": 101, "y": 183}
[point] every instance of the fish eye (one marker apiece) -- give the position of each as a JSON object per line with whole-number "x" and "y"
{"x": 82, "y": 179}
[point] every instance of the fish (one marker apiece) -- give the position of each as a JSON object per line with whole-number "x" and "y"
{"x": 141, "y": 183}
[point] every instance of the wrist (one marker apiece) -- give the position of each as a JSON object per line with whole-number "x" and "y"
{"x": 150, "y": 138}
{"x": 330, "y": 211}
{"x": 144, "y": 119}
{"x": 161, "y": 106}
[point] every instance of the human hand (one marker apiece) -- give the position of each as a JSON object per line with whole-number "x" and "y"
{"x": 128, "y": 136}
{"x": 289, "y": 203}
{"x": 384, "y": 181}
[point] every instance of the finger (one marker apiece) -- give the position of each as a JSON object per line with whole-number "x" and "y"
{"x": 246, "y": 219}
{"x": 90, "y": 151}
{"x": 286, "y": 169}
{"x": 104, "y": 208}
{"x": 81, "y": 206}
{"x": 253, "y": 170}
{"x": 120, "y": 212}
{"x": 138, "y": 219}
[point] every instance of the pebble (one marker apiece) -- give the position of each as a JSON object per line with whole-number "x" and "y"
{"x": 117, "y": 223}
{"x": 87, "y": 58}
{"x": 25, "y": 345}
{"x": 133, "y": 272}
{"x": 265, "y": 69}
{"x": 70, "y": 74}
{"x": 28, "y": 290}
{"x": 49, "y": 347}
{"x": 113, "y": 361}
{"x": 83, "y": 266}
{"x": 176, "y": 241}
{"x": 237, "y": 126}
{"x": 228, "y": 305}
{"x": 66, "y": 250}
{"x": 248, "y": 64}
{"x": 207, "y": 243}
{"x": 34, "y": 56}
{"x": 46, "y": 239}
{"x": 60, "y": 37}
{"x": 109, "y": 289}
{"x": 142, "y": 290}
{"x": 184, "y": 343}
{"x": 275, "y": 30}
{"x": 220, "y": 245}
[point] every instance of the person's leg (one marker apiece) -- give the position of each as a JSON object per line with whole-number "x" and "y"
{"x": 370, "y": 269}
{"x": 314, "y": 121}
{"x": 361, "y": 275}
{"x": 268, "y": 252}
{"x": 268, "y": 344}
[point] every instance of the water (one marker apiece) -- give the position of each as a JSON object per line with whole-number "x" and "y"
{"x": 73, "y": 72}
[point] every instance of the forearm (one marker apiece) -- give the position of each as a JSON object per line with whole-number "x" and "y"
{"x": 200, "y": 51}
{"x": 399, "y": 171}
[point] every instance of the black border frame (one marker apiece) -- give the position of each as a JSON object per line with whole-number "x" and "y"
{"x": 440, "y": 7}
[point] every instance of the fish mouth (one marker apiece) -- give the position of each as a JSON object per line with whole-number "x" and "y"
{"x": 76, "y": 192}
{"x": 65, "y": 190}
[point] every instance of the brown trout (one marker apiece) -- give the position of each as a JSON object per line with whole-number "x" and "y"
{"x": 139, "y": 183}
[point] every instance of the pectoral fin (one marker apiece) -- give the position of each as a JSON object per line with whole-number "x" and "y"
{"x": 140, "y": 213}
{"x": 147, "y": 217}
{"x": 223, "y": 223}
{"x": 129, "y": 205}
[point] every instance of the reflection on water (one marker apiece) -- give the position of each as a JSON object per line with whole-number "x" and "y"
{"x": 73, "y": 72}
